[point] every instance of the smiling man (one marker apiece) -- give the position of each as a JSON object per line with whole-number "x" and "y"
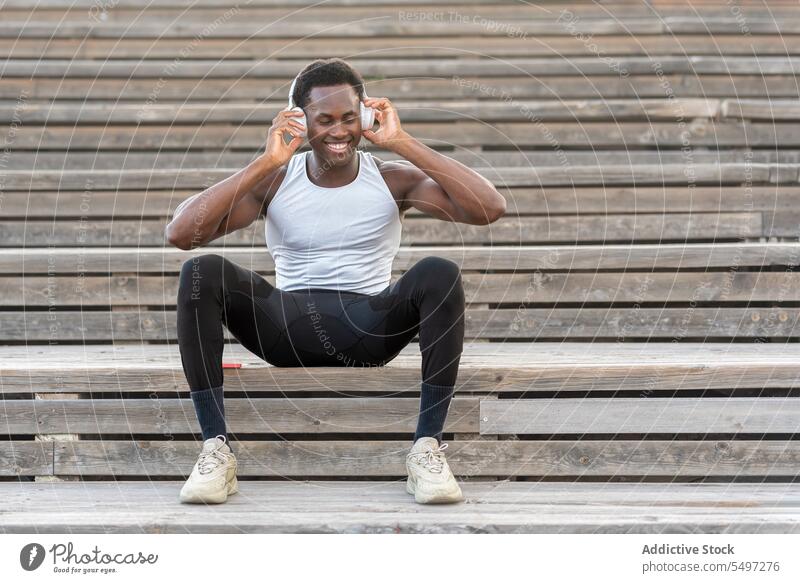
{"x": 333, "y": 226}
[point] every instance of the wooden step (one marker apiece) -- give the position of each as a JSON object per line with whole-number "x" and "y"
{"x": 414, "y": 110}
{"x": 401, "y": 26}
{"x": 371, "y": 507}
{"x": 413, "y": 47}
{"x": 779, "y": 202}
{"x": 626, "y": 137}
{"x": 666, "y": 228}
{"x": 545, "y": 258}
{"x": 520, "y": 288}
{"x": 700, "y": 174}
{"x": 446, "y": 89}
{"x": 484, "y": 367}
{"x": 519, "y": 324}
{"x": 129, "y": 160}
{"x": 282, "y": 457}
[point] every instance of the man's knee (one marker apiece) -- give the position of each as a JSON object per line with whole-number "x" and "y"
{"x": 434, "y": 268}
{"x": 442, "y": 277}
{"x": 199, "y": 272}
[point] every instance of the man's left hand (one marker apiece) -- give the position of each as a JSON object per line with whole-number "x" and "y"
{"x": 390, "y": 133}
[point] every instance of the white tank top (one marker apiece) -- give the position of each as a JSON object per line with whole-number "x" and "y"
{"x": 341, "y": 238}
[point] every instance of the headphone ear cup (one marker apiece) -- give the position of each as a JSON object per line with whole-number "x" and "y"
{"x": 301, "y": 120}
{"x": 367, "y": 117}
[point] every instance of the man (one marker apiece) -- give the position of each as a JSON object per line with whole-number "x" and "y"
{"x": 333, "y": 226}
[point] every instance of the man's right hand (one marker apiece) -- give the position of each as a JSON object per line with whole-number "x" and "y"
{"x": 277, "y": 149}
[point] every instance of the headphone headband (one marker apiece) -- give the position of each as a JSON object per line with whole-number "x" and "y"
{"x": 294, "y": 82}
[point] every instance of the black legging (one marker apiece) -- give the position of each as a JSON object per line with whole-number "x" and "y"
{"x": 318, "y": 327}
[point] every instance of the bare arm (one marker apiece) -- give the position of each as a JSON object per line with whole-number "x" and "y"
{"x": 200, "y": 216}
{"x": 197, "y": 220}
{"x": 442, "y": 187}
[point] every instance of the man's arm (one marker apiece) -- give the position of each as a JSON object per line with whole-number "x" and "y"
{"x": 436, "y": 184}
{"x": 198, "y": 218}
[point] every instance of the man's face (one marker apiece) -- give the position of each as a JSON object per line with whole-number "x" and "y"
{"x": 334, "y": 123}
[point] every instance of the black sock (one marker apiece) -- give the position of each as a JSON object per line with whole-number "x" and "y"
{"x": 433, "y": 405}
{"x": 210, "y": 409}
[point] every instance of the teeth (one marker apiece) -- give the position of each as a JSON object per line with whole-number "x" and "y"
{"x": 338, "y": 145}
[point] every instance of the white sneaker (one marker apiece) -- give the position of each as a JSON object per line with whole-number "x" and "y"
{"x": 213, "y": 478}
{"x": 429, "y": 476}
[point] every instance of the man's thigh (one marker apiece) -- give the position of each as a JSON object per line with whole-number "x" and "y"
{"x": 386, "y": 323}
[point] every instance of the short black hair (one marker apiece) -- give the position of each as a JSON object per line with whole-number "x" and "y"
{"x": 326, "y": 73}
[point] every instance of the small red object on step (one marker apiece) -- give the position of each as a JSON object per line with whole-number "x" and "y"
{"x": 231, "y": 365}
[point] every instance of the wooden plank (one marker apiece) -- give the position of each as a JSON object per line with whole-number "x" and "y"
{"x": 29, "y": 112}
{"x": 168, "y": 417}
{"x": 477, "y": 458}
{"x": 443, "y": 67}
{"x": 534, "y": 288}
{"x": 394, "y": 27}
{"x": 653, "y": 415}
{"x": 671, "y": 324}
{"x": 520, "y": 160}
{"x": 627, "y": 136}
{"x": 700, "y": 174}
{"x": 435, "y": 11}
{"x": 388, "y": 28}
{"x": 529, "y": 324}
{"x": 26, "y": 458}
{"x": 773, "y": 109}
{"x": 653, "y": 8}
{"x": 192, "y": 4}
{"x": 44, "y": 400}
{"x": 777, "y": 201}
{"x": 504, "y": 507}
{"x": 518, "y": 258}
{"x": 413, "y": 47}
{"x": 425, "y": 231}
{"x": 254, "y": 90}
{"x": 248, "y": 12}
{"x": 493, "y": 367}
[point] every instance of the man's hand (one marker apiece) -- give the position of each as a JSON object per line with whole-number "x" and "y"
{"x": 277, "y": 150}
{"x": 390, "y": 133}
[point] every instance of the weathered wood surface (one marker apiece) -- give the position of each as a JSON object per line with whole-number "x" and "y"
{"x": 648, "y": 415}
{"x": 166, "y": 416}
{"x": 775, "y": 200}
{"x": 484, "y": 368}
{"x": 129, "y": 160}
{"x": 414, "y": 110}
{"x": 255, "y": 90}
{"x": 328, "y": 507}
{"x": 527, "y": 288}
{"x": 283, "y": 458}
{"x": 413, "y": 46}
{"x": 416, "y": 231}
{"x": 627, "y": 137}
{"x": 665, "y": 324}
{"x": 545, "y": 258}
{"x": 371, "y": 415}
{"x": 125, "y": 203}
{"x": 645, "y": 175}
{"x": 394, "y": 26}
{"x": 486, "y": 68}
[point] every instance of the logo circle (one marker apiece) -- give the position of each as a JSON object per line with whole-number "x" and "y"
{"x": 31, "y": 556}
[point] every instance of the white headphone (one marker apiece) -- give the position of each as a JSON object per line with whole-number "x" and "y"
{"x": 367, "y": 113}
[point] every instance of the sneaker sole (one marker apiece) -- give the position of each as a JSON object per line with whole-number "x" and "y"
{"x": 454, "y": 495}
{"x": 231, "y": 488}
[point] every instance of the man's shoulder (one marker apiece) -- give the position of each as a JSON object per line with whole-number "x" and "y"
{"x": 400, "y": 175}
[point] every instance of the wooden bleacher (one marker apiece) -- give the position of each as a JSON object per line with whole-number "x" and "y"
{"x": 632, "y": 357}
